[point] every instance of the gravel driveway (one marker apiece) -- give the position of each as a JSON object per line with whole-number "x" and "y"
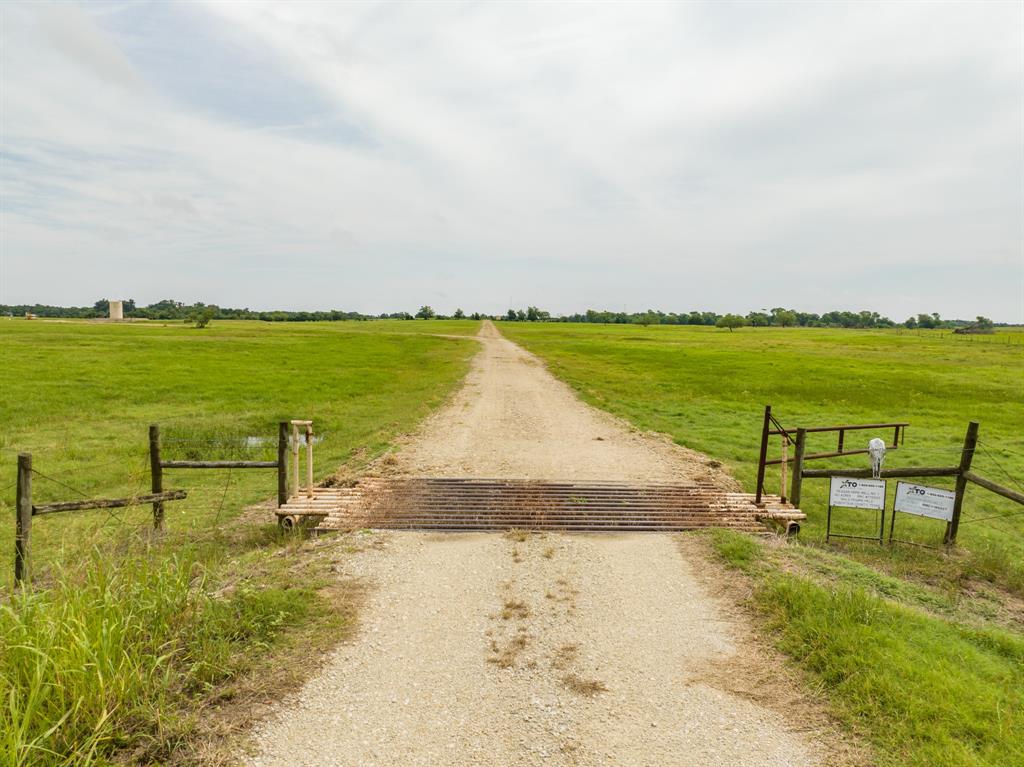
{"x": 487, "y": 649}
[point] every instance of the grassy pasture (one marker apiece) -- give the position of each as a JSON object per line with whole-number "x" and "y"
{"x": 923, "y": 689}
{"x": 920, "y": 651}
{"x": 707, "y": 389}
{"x": 80, "y": 395}
{"x": 134, "y": 640}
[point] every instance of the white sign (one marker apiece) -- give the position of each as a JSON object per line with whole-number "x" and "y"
{"x": 857, "y": 493}
{"x": 924, "y": 501}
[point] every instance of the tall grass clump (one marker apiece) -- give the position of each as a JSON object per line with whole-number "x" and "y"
{"x": 83, "y": 658}
{"x": 101, "y": 659}
{"x": 924, "y": 690}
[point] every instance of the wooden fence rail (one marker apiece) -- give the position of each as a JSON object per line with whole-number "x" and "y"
{"x": 962, "y": 472}
{"x": 25, "y": 510}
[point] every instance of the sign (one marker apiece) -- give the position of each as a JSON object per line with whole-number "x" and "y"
{"x": 857, "y": 493}
{"x": 924, "y": 501}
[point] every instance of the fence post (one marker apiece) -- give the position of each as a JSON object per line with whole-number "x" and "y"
{"x": 23, "y": 523}
{"x": 783, "y": 466}
{"x": 764, "y": 453}
{"x": 309, "y": 459}
{"x": 798, "y": 467}
{"x": 282, "y": 464}
{"x": 966, "y": 457}
{"x": 157, "y": 473}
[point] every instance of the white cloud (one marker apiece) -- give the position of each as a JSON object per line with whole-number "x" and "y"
{"x": 722, "y": 156}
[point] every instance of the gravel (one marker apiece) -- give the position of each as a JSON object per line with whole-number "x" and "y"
{"x": 486, "y": 649}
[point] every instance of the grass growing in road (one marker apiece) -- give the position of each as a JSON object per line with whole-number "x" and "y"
{"x": 924, "y": 689}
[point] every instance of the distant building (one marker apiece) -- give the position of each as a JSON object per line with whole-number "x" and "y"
{"x": 116, "y": 310}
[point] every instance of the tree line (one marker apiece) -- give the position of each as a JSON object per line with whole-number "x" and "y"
{"x": 777, "y": 317}
{"x": 201, "y": 314}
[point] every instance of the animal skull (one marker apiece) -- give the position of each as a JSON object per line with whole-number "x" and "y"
{"x": 876, "y": 449}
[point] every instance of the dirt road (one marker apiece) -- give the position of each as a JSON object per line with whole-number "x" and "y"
{"x": 513, "y": 419}
{"x": 480, "y": 649}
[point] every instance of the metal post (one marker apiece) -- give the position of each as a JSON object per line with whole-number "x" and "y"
{"x": 764, "y": 453}
{"x": 156, "y": 471}
{"x": 798, "y": 467}
{"x": 966, "y": 457}
{"x": 282, "y": 464}
{"x": 23, "y": 519}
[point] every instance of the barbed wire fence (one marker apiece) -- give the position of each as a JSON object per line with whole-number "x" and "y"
{"x": 204, "y": 501}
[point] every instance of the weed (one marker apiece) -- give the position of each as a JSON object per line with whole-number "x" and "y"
{"x": 514, "y": 608}
{"x": 506, "y": 656}
{"x": 565, "y": 656}
{"x": 585, "y": 687}
{"x": 737, "y": 550}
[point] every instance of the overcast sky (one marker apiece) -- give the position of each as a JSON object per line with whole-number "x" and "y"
{"x": 720, "y": 156}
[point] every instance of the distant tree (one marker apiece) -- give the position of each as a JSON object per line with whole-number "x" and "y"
{"x": 911, "y": 323}
{"x": 783, "y": 317}
{"x": 459, "y": 314}
{"x": 532, "y": 313}
{"x": 758, "y": 319}
{"x": 983, "y": 323}
{"x": 425, "y": 313}
{"x": 520, "y": 315}
{"x": 510, "y": 315}
{"x": 649, "y": 317}
{"x": 731, "y": 321}
{"x": 475, "y": 316}
{"x": 202, "y": 317}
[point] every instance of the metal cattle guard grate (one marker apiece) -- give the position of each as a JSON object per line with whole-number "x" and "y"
{"x": 500, "y": 504}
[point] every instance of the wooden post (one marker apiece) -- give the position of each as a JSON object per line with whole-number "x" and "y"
{"x": 798, "y": 467}
{"x": 282, "y": 464}
{"x": 156, "y": 471}
{"x": 23, "y": 520}
{"x": 966, "y": 457}
{"x": 309, "y": 459}
{"x": 764, "y": 453}
{"x": 783, "y": 466}
{"x": 295, "y": 453}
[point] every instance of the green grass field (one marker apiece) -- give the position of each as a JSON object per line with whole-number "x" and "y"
{"x": 79, "y": 396}
{"x": 129, "y": 640}
{"x": 707, "y": 388}
{"x": 919, "y": 650}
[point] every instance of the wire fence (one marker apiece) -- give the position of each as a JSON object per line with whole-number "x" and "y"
{"x": 122, "y": 477}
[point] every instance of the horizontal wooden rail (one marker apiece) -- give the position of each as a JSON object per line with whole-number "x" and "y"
{"x": 849, "y": 427}
{"x": 109, "y": 503}
{"x": 913, "y": 471}
{"x": 996, "y": 488}
{"x": 218, "y": 464}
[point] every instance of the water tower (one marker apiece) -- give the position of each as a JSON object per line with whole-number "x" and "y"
{"x": 116, "y": 310}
